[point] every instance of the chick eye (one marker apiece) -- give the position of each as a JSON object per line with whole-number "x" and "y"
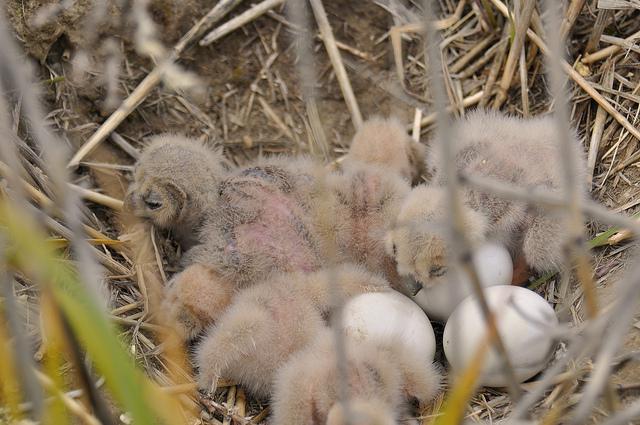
{"x": 394, "y": 249}
{"x": 437, "y": 271}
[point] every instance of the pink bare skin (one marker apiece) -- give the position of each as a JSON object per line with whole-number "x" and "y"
{"x": 262, "y": 223}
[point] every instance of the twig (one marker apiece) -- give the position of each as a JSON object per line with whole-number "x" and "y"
{"x": 495, "y": 67}
{"x": 240, "y": 21}
{"x": 336, "y": 62}
{"x": 125, "y": 146}
{"x": 98, "y": 198}
{"x": 415, "y": 131}
{"x": 598, "y": 129}
{"x": 152, "y": 80}
{"x": 466, "y": 102}
{"x": 466, "y": 58}
{"x": 522, "y": 24}
{"x": 608, "y": 51}
{"x": 570, "y": 18}
{"x": 271, "y": 114}
{"x": 522, "y": 65}
{"x": 597, "y": 30}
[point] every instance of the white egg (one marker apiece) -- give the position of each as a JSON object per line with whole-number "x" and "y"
{"x": 389, "y": 316}
{"x": 494, "y": 267}
{"x": 523, "y": 319}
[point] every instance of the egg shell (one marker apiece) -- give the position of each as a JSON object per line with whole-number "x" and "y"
{"x": 389, "y": 317}
{"x": 523, "y": 319}
{"x": 494, "y": 266}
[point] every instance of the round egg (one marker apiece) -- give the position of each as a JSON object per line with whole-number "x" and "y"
{"x": 493, "y": 264}
{"x": 389, "y": 316}
{"x": 523, "y": 319}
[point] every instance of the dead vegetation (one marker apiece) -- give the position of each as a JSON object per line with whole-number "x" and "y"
{"x": 229, "y": 75}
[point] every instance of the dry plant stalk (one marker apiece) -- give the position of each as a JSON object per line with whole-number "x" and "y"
{"x": 336, "y": 60}
{"x": 460, "y": 249}
{"x": 522, "y": 24}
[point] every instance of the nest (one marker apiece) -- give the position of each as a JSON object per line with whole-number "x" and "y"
{"x": 247, "y": 92}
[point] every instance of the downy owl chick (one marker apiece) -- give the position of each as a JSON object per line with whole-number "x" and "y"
{"x": 260, "y": 225}
{"x": 385, "y": 142}
{"x": 175, "y": 182}
{"x": 270, "y": 321}
{"x": 262, "y": 222}
{"x": 195, "y": 298}
{"x": 307, "y": 386}
{"x": 520, "y": 152}
{"x": 367, "y": 201}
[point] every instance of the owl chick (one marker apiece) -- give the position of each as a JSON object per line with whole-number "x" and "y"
{"x": 270, "y": 321}
{"x": 385, "y": 376}
{"x": 262, "y": 222}
{"x": 195, "y": 298}
{"x": 520, "y": 152}
{"x": 385, "y": 142}
{"x": 367, "y": 201}
{"x": 174, "y": 185}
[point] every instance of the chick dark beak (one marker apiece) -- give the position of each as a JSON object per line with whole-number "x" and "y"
{"x": 411, "y": 285}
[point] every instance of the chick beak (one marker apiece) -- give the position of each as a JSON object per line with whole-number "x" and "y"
{"x": 411, "y": 285}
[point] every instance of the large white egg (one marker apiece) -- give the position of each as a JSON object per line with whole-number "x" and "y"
{"x": 524, "y": 320}
{"x": 389, "y": 316}
{"x": 493, "y": 264}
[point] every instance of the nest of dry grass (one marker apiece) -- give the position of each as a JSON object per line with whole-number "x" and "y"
{"x": 243, "y": 92}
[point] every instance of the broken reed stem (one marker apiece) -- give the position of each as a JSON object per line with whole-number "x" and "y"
{"x": 522, "y": 66}
{"x": 524, "y": 84}
{"x": 570, "y": 17}
{"x": 461, "y": 251}
{"x": 466, "y": 102}
{"x": 522, "y": 23}
{"x": 495, "y": 67}
{"x": 608, "y": 51}
{"x": 240, "y": 21}
{"x": 98, "y": 198}
{"x": 598, "y": 29}
{"x": 598, "y": 130}
{"x": 467, "y": 57}
{"x": 152, "y": 80}
{"x": 576, "y": 77}
{"x": 336, "y": 61}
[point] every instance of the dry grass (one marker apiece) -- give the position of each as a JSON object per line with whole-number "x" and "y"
{"x": 246, "y": 97}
